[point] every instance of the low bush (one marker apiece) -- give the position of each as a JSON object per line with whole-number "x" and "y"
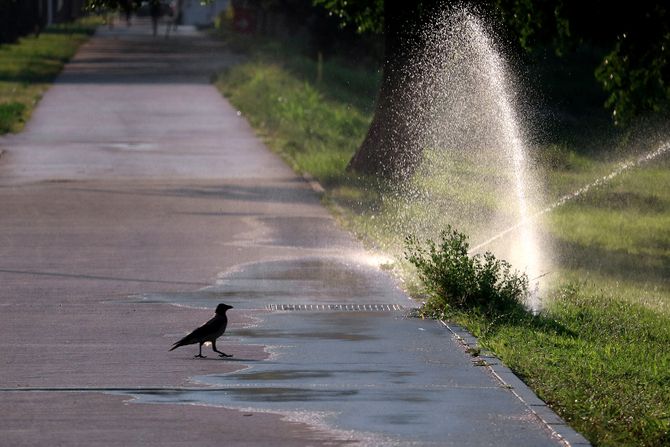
{"x": 454, "y": 279}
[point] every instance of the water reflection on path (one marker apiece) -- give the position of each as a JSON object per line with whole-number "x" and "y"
{"x": 378, "y": 376}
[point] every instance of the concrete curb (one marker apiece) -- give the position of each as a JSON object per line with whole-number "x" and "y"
{"x": 509, "y": 380}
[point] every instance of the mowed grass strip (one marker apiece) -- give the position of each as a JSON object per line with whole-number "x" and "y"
{"x": 599, "y": 360}
{"x": 598, "y": 354}
{"x": 28, "y": 67}
{"x": 313, "y": 133}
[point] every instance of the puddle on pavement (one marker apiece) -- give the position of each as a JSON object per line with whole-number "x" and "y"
{"x": 131, "y": 146}
{"x": 360, "y": 381}
{"x": 379, "y": 375}
{"x": 291, "y": 374}
{"x": 313, "y": 280}
{"x": 288, "y": 334}
{"x": 402, "y": 416}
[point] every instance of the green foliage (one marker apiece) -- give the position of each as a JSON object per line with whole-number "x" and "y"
{"x": 101, "y": 5}
{"x": 456, "y": 280}
{"x": 603, "y": 364}
{"x": 535, "y": 23}
{"x": 365, "y": 16}
{"x": 635, "y": 72}
{"x": 314, "y": 126}
{"x": 636, "y": 75}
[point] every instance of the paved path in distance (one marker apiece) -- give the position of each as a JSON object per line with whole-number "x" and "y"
{"x": 136, "y": 200}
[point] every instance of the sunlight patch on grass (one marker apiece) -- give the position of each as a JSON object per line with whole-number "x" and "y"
{"x": 312, "y": 133}
{"x": 28, "y": 67}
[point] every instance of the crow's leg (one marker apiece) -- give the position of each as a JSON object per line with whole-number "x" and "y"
{"x": 221, "y": 354}
{"x": 200, "y": 356}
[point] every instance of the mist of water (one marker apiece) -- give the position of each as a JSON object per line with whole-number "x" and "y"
{"x": 475, "y": 174}
{"x": 467, "y": 113}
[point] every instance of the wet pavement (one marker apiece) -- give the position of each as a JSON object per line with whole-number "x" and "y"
{"x": 414, "y": 387}
{"x": 135, "y": 201}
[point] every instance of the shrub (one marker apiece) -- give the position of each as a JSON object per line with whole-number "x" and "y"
{"x": 456, "y": 280}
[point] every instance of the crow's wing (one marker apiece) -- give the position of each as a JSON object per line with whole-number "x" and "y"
{"x": 201, "y": 334}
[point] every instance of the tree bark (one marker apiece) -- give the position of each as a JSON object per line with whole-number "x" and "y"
{"x": 392, "y": 147}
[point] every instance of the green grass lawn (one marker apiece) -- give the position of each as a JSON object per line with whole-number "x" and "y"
{"x": 28, "y": 67}
{"x": 313, "y": 134}
{"x": 599, "y": 354}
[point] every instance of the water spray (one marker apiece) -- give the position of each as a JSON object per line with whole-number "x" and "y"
{"x": 665, "y": 147}
{"x": 465, "y": 92}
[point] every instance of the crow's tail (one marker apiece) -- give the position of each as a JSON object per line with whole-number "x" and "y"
{"x": 176, "y": 345}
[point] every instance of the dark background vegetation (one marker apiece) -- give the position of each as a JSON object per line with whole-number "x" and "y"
{"x": 21, "y": 17}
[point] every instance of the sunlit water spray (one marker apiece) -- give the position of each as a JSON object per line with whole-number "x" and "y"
{"x": 623, "y": 167}
{"x": 463, "y": 107}
{"x": 526, "y": 255}
{"x": 475, "y": 174}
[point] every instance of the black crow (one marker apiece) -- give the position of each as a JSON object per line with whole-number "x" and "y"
{"x": 209, "y": 331}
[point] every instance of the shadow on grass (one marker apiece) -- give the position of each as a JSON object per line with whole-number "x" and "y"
{"x": 69, "y": 30}
{"x": 486, "y": 324}
{"x": 32, "y": 75}
{"x": 617, "y": 264}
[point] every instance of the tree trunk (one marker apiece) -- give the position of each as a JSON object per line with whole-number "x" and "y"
{"x": 392, "y": 149}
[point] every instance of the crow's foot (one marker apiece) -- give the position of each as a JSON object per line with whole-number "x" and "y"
{"x": 199, "y": 356}
{"x": 225, "y": 355}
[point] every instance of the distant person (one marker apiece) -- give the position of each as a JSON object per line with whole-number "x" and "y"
{"x": 174, "y": 11}
{"x": 109, "y": 17}
{"x": 208, "y": 332}
{"x": 155, "y": 11}
{"x": 177, "y": 9}
{"x": 127, "y": 8}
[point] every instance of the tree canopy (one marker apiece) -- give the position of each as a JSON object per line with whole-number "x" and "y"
{"x": 635, "y": 72}
{"x": 635, "y": 37}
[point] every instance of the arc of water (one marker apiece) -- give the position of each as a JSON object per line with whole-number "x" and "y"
{"x": 665, "y": 147}
{"x": 515, "y": 148}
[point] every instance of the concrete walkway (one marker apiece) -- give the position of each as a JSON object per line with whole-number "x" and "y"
{"x": 135, "y": 187}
